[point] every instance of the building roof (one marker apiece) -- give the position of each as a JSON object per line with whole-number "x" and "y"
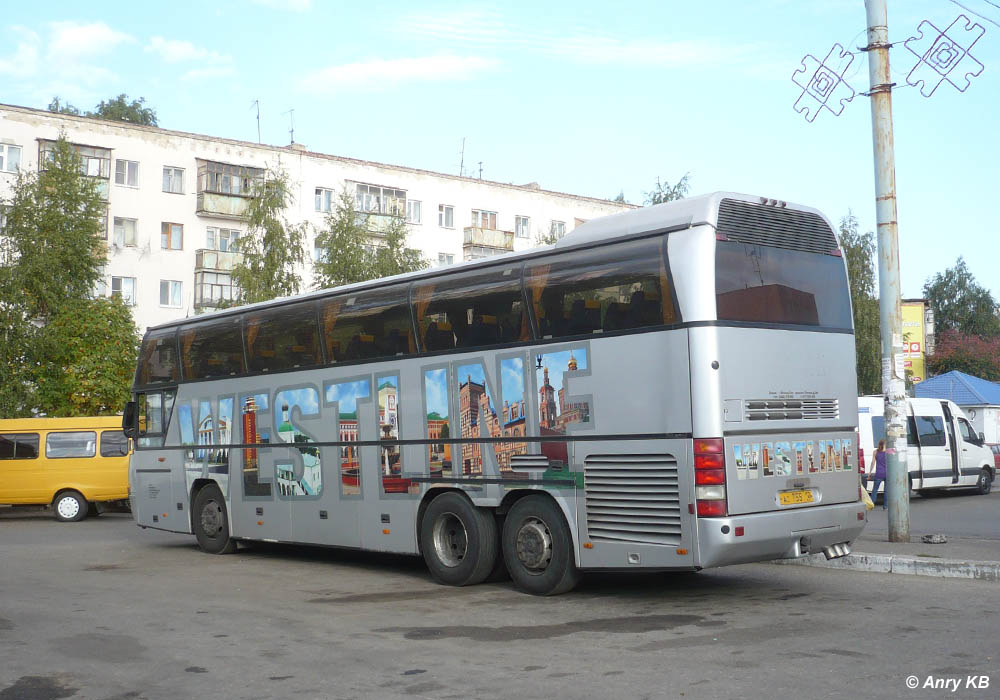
{"x": 962, "y": 388}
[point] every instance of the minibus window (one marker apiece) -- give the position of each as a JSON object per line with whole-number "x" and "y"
{"x": 114, "y": 444}
{"x": 77, "y": 444}
{"x": 19, "y": 446}
{"x": 930, "y": 430}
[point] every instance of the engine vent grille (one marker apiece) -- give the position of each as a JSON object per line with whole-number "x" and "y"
{"x": 760, "y": 224}
{"x": 632, "y": 498}
{"x": 804, "y": 409}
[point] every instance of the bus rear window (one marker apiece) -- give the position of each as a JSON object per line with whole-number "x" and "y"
{"x": 764, "y": 284}
{"x": 158, "y": 359}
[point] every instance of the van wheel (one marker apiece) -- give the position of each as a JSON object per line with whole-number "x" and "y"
{"x": 70, "y": 507}
{"x": 538, "y": 547}
{"x": 211, "y": 521}
{"x": 985, "y": 483}
{"x": 459, "y": 541}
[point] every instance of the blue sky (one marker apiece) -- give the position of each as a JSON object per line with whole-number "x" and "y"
{"x": 582, "y": 97}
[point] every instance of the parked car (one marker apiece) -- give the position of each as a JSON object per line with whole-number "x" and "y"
{"x": 942, "y": 449}
{"x": 996, "y": 456}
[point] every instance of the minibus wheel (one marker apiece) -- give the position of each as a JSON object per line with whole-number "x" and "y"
{"x": 211, "y": 521}
{"x": 985, "y": 483}
{"x": 459, "y": 541}
{"x": 69, "y": 507}
{"x": 538, "y": 547}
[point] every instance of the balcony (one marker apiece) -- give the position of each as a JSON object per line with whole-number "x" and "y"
{"x": 208, "y": 260}
{"x": 486, "y": 242}
{"x": 225, "y": 206}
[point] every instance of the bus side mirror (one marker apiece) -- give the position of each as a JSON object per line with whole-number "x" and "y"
{"x": 129, "y": 423}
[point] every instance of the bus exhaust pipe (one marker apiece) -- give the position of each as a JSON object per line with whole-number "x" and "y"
{"x": 835, "y": 551}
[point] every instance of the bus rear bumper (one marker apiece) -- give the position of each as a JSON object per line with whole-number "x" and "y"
{"x": 742, "y": 539}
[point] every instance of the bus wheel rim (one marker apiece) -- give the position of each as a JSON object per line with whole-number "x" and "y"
{"x": 451, "y": 539}
{"x": 211, "y": 519}
{"x": 68, "y": 507}
{"x": 533, "y": 544}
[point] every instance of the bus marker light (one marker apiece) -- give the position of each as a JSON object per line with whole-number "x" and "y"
{"x": 739, "y": 531}
{"x": 682, "y": 551}
{"x": 385, "y": 532}
{"x": 861, "y": 516}
{"x": 260, "y": 522}
{"x": 164, "y": 515}
{"x": 588, "y": 545}
{"x": 161, "y": 459}
{"x": 691, "y": 508}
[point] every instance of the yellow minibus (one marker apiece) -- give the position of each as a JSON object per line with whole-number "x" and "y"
{"x": 68, "y": 463}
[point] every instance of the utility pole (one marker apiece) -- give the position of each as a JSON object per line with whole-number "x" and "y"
{"x": 897, "y": 490}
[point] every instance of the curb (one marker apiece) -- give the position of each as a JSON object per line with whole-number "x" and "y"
{"x": 898, "y": 564}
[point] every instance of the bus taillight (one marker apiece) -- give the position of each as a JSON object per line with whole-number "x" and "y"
{"x": 710, "y": 477}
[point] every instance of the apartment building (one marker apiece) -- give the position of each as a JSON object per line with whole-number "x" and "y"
{"x": 176, "y": 202}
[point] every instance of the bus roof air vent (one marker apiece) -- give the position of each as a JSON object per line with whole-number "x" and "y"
{"x": 761, "y": 224}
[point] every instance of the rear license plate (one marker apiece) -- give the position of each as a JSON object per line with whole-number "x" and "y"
{"x": 790, "y": 498}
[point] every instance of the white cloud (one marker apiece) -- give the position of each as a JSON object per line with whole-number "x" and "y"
{"x": 381, "y": 74}
{"x": 73, "y": 41}
{"x": 207, "y": 73}
{"x": 23, "y": 63}
{"x": 293, "y": 5}
{"x": 176, "y": 50}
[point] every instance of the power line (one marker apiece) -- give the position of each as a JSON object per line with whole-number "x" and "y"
{"x": 987, "y": 19}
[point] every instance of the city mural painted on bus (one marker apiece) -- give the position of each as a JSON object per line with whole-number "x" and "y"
{"x": 785, "y": 459}
{"x": 199, "y": 426}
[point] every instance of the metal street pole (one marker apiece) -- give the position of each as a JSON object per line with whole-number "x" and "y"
{"x": 897, "y": 491}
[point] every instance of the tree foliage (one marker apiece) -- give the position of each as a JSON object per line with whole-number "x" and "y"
{"x": 273, "y": 249}
{"x": 665, "y": 192}
{"x": 61, "y": 352}
{"x": 859, "y": 253}
{"x": 961, "y": 304}
{"x": 116, "y": 108}
{"x": 351, "y": 253}
{"x": 972, "y": 354}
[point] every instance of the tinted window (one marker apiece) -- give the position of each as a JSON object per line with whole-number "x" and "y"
{"x": 773, "y": 285}
{"x": 282, "y": 338}
{"x": 931, "y": 431}
{"x": 158, "y": 358}
{"x": 367, "y": 325}
{"x": 472, "y": 310}
{"x": 212, "y": 349}
{"x": 613, "y": 288}
{"x": 968, "y": 434}
{"x": 114, "y": 443}
{"x": 878, "y": 430}
{"x": 19, "y": 446}
{"x": 78, "y": 444}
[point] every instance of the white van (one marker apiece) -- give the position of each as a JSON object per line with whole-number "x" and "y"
{"x": 943, "y": 451}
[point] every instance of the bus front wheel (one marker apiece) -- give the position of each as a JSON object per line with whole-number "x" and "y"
{"x": 69, "y": 507}
{"x": 538, "y": 547}
{"x": 211, "y": 521}
{"x": 459, "y": 541}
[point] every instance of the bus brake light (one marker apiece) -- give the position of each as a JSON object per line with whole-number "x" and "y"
{"x": 710, "y": 477}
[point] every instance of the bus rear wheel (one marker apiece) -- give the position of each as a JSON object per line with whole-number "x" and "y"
{"x": 538, "y": 547}
{"x": 458, "y": 540}
{"x": 70, "y": 507}
{"x": 211, "y": 521}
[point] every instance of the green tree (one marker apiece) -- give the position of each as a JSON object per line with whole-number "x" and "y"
{"x": 971, "y": 354}
{"x": 859, "y": 253}
{"x": 352, "y": 254}
{"x": 52, "y": 329}
{"x": 272, "y": 248}
{"x": 60, "y": 107}
{"x": 961, "y": 304}
{"x": 665, "y": 192}
{"x": 120, "y": 109}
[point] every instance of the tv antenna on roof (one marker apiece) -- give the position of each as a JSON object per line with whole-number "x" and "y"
{"x": 461, "y": 165}
{"x": 291, "y": 123}
{"x": 256, "y": 103}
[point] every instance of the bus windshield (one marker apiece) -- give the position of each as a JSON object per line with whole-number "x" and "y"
{"x": 765, "y": 284}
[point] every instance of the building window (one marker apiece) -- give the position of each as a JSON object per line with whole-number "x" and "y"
{"x": 10, "y": 157}
{"x": 173, "y": 180}
{"x": 446, "y": 216}
{"x": 521, "y": 226}
{"x": 412, "y": 211}
{"x": 94, "y": 162}
{"x": 171, "y": 236}
{"x": 223, "y": 178}
{"x": 221, "y": 238}
{"x": 127, "y": 172}
{"x": 124, "y": 232}
{"x": 325, "y": 199}
{"x": 446, "y": 259}
{"x": 170, "y": 293}
{"x": 375, "y": 199}
{"x": 558, "y": 228}
{"x": 125, "y": 288}
{"x": 319, "y": 253}
{"x": 484, "y": 219}
{"x": 211, "y": 288}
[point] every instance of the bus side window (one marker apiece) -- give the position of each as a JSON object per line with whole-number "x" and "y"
{"x": 158, "y": 358}
{"x": 154, "y": 410}
{"x": 618, "y": 287}
{"x": 283, "y": 337}
{"x": 213, "y": 349}
{"x": 368, "y": 325}
{"x": 930, "y": 431}
{"x": 19, "y": 446}
{"x": 81, "y": 443}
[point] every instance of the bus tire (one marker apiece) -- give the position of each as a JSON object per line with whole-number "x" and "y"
{"x": 984, "y": 484}
{"x": 538, "y": 547}
{"x": 459, "y": 541}
{"x": 69, "y": 507}
{"x": 210, "y": 521}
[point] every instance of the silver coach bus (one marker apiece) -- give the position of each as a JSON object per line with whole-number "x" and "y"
{"x": 669, "y": 388}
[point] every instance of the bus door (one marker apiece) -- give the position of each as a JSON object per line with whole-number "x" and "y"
{"x": 954, "y": 447}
